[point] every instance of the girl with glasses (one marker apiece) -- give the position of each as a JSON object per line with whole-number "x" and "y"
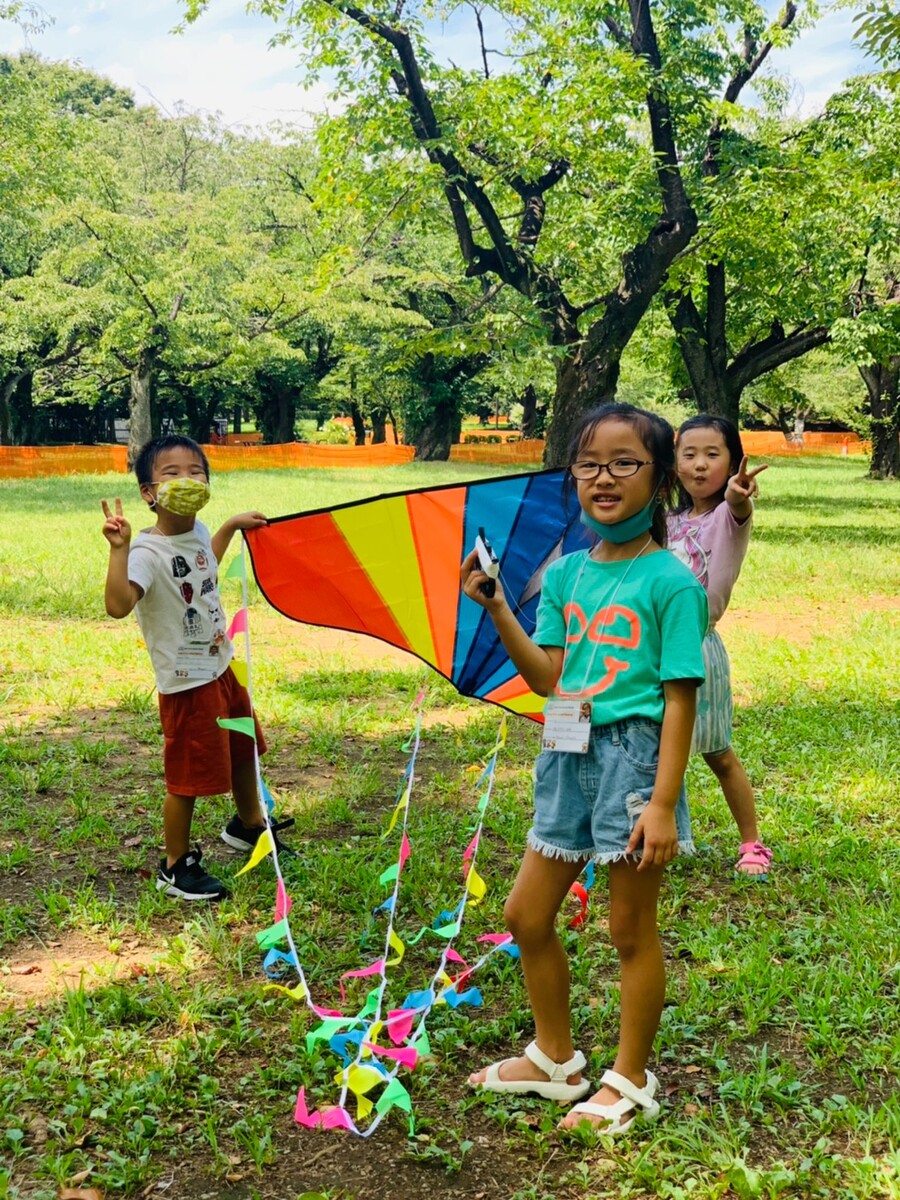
{"x": 619, "y": 628}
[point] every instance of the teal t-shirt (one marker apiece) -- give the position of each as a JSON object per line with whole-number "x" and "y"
{"x": 620, "y": 657}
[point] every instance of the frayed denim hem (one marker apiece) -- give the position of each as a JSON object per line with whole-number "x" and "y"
{"x": 601, "y": 857}
{"x": 548, "y": 851}
{"x": 604, "y": 857}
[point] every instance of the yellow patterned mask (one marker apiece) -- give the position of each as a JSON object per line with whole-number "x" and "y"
{"x": 183, "y": 496}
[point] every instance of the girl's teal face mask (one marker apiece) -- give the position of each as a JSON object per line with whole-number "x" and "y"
{"x": 631, "y": 527}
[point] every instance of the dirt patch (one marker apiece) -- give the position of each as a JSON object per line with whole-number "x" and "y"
{"x": 802, "y": 625}
{"x": 40, "y": 970}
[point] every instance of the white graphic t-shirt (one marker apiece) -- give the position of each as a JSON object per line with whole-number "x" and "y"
{"x": 180, "y": 613}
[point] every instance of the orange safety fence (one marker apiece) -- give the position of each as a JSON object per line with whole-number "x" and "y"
{"x": 31, "y": 462}
{"x": 299, "y": 454}
{"x": 528, "y": 451}
{"x": 767, "y": 442}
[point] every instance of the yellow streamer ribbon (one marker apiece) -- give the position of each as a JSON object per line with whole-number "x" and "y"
{"x": 264, "y": 846}
{"x": 296, "y": 993}
{"x": 396, "y": 945}
{"x": 475, "y": 886}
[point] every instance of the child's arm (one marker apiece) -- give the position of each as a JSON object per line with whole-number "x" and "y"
{"x": 741, "y": 489}
{"x": 539, "y": 666}
{"x": 121, "y": 594}
{"x": 222, "y": 537}
{"x": 656, "y": 825}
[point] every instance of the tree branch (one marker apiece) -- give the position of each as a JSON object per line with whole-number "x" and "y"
{"x": 774, "y": 351}
{"x": 115, "y": 261}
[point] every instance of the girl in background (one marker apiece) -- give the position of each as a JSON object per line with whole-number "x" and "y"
{"x": 710, "y": 532}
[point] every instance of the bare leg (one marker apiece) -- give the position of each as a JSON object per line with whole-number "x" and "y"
{"x": 178, "y": 811}
{"x": 531, "y": 910}
{"x": 633, "y": 898}
{"x": 246, "y": 795}
{"x": 738, "y": 792}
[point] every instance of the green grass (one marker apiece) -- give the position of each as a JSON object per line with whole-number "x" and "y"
{"x": 164, "y": 1064}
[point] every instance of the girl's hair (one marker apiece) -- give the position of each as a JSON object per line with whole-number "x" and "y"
{"x": 658, "y": 438}
{"x": 731, "y": 436}
{"x": 145, "y": 462}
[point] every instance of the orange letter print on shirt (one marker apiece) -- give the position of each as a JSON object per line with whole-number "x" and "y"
{"x": 600, "y": 632}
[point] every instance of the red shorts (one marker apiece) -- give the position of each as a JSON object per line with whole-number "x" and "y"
{"x": 198, "y": 754}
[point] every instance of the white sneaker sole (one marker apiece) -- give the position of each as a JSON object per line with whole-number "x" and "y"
{"x": 176, "y": 893}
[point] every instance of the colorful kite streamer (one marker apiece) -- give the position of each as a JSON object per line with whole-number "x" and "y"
{"x": 368, "y": 1065}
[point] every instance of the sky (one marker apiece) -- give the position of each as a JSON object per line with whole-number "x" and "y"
{"x": 224, "y": 64}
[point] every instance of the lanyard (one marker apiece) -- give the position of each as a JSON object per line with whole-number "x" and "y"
{"x": 590, "y": 667}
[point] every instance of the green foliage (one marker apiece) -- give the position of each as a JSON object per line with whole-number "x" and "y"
{"x": 168, "y": 1064}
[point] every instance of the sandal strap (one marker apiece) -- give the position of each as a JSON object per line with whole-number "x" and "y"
{"x": 755, "y": 848}
{"x": 642, "y": 1097}
{"x": 556, "y": 1072}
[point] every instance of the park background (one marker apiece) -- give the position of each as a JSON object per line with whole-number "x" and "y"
{"x": 174, "y": 268}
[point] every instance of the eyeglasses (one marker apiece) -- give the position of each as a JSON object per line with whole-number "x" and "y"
{"x": 619, "y": 468}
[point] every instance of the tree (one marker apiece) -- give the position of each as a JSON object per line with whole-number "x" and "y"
{"x": 559, "y": 171}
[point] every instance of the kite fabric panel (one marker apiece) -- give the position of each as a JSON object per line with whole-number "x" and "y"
{"x": 389, "y": 567}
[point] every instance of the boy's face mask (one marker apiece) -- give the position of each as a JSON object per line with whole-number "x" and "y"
{"x": 183, "y": 496}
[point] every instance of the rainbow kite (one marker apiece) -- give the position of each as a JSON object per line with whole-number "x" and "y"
{"x": 389, "y": 567}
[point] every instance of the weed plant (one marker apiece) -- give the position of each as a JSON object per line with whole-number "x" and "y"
{"x": 157, "y": 1061}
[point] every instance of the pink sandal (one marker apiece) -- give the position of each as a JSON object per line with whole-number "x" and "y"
{"x": 753, "y": 854}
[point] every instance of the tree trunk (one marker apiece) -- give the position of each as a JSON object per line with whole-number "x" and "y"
{"x": 278, "y": 413}
{"x": 7, "y": 389}
{"x": 237, "y": 419}
{"x": 379, "y": 436}
{"x": 359, "y": 425}
{"x": 883, "y": 386}
{"x": 141, "y": 405}
{"x": 18, "y": 416}
{"x": 581, "y": 384}
{"x": 529, "y": 410}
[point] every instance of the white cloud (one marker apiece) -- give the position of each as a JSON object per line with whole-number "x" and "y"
{"x": 223, "y": 62}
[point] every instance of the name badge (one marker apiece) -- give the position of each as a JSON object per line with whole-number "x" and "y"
{"x": 567, "y": 725}
{"x": 197, "y": 662}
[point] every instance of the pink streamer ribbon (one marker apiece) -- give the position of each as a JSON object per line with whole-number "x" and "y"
{"x": 239, "y": 624}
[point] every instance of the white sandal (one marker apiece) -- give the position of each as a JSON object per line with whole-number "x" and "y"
{"x": 635, "y": 1100}
{"x": 552, "y": 1088}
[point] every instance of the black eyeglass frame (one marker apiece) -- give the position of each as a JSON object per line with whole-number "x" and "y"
{"x": 608, "y": 467}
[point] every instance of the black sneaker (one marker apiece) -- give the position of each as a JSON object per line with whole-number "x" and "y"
{"x": 243, "y": 837}
{"x": 186, "y": 879}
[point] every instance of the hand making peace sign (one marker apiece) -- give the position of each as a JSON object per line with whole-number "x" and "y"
{"x": 742, "y": 485}
{"x": 116, "y": 528}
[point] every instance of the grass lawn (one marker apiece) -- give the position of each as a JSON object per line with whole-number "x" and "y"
{"x": 139, "y": 1052}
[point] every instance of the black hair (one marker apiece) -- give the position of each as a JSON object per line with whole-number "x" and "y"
{"x": 658, "y": 438}
{"x": 147, "y": 455}
{"x": 731, "y": 436}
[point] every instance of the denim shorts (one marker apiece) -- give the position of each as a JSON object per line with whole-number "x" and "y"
{"x": 586, "y": 805}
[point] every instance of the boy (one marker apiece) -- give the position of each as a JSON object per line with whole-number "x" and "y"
{"x": 168, "y": 577}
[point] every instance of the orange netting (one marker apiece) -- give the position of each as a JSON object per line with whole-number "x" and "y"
{"x": 298, "y": 454}
{"x": 523, "y": 451}
{"x": 31, "y": 462}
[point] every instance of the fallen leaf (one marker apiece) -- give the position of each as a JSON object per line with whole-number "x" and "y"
{"x": 80, "y": 1194}
{"x": 692, "y": 1070}
{"x": 29, "y": 969}
{"x": 79, "y": 1177}
{"x": 691, "y": 1110}
{"x": 133, "y": 841}
{"x": 37, "y": 1129}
